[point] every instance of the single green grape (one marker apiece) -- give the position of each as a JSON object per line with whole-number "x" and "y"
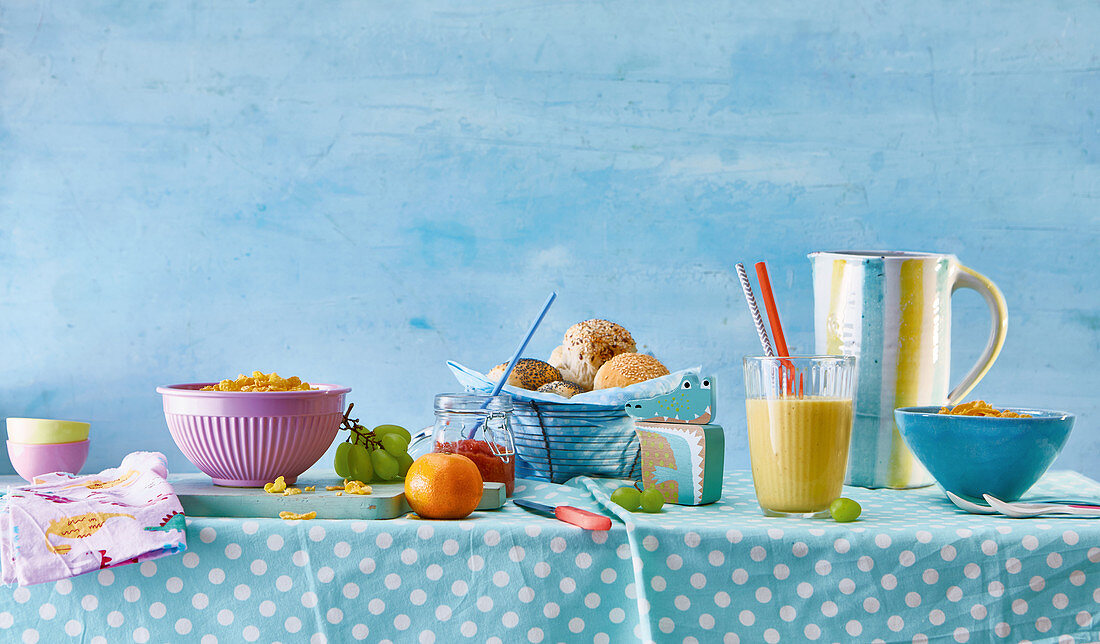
{"x": 393, "y": 429}
{"x": 385, "y": 465}
{"x": 340, "y": 460}
{"x": 359, "y": 464}
{"x": 374, "y": 471}
{"x": 628, "y": 498}
{"x": 652, "y": 500}
{"x": 404, "y": 462}
{"x": 394, "y": 444}
{"x": 844, "y": 510}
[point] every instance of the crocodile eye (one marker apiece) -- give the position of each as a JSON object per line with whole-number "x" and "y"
{"x": 687, "y": 384}
{"x": 706, "y": 384}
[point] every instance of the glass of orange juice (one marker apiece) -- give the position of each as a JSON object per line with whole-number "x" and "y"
{"x": 800, "y": 423}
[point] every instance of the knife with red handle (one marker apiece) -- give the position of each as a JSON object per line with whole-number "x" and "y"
{"x": 568, "y": 514}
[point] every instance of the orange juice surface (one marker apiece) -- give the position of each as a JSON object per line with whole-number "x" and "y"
{"x": 799, "y": 451}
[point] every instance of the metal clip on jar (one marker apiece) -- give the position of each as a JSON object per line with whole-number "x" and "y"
{"x": 477, "y": 427}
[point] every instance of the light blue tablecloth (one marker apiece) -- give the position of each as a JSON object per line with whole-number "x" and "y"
{"x": 913, "y": 569}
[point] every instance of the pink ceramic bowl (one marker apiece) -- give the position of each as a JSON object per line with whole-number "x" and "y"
{"x": 246, "y": 439}
{"x": 32, "y": 460}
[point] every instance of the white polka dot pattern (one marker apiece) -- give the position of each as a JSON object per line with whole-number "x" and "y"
{"x": 905, "y": 572}
{"x": 912, "y": 569}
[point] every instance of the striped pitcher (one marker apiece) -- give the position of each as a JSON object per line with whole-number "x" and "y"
{"x": 893, "y": 310}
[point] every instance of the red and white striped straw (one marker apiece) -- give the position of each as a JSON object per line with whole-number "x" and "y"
{"x": 755, "y": 311}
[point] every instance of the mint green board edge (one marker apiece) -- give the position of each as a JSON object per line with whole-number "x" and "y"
{"x": 201, "y": 498}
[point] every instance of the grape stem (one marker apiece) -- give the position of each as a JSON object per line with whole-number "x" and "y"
{"x": 360, "y": 435}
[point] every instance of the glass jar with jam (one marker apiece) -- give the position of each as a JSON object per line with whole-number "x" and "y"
{"x": 477, "y": 427}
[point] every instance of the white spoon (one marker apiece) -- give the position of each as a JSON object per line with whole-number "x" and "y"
{"x": 972, "y": 508}
{"x": 977, "y": 508}
{"x": 1027, "y": 510}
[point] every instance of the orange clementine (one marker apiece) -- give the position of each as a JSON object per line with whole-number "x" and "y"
{"x": 443, "y": 486}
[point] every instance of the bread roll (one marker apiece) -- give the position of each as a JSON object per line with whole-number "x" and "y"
{"x": 562, "y": 388}
{"x": 627, "y": 369}
{"x": 587, "y": 346}
{"x": 527, "y": 374}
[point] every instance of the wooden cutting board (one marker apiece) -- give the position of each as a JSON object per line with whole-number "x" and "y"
{"x": 201, "y": 498}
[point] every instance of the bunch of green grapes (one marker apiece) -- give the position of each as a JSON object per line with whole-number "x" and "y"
{"x": 380, "y": 454}
{"x": 632, "y": 499}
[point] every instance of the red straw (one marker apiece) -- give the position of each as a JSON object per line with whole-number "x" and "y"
{"x": 773, "y": 313}
{"x": 773, "y": 320}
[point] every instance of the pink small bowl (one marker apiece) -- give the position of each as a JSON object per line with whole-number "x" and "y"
{"x": 35, "y": 460}
{"x": 248, "y": 438}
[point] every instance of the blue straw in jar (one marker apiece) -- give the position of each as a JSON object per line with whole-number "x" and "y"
{"x": 515, "y": 358}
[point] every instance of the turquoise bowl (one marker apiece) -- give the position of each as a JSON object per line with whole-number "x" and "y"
{"x": 975, "y": 455}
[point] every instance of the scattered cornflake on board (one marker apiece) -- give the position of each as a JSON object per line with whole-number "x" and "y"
{"x": 357, "y": 487}
{"x": 278, "y": 486}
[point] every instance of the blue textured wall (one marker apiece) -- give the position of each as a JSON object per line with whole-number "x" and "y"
{"x": 356, "y": 192}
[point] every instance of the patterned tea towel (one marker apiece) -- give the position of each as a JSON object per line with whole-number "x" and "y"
{"x": 66, "y": 525}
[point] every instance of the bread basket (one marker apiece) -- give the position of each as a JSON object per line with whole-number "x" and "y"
{"x": 589, "y": 434}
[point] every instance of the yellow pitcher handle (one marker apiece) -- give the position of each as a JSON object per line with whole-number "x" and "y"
{"x": 967, "y": 278}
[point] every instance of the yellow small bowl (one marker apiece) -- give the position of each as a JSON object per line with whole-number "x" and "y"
{"x": 43, "y": 431}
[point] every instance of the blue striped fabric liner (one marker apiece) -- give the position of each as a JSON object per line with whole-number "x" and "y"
{"x": 555, "y": 442}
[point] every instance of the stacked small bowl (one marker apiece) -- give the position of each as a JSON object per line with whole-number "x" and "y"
{"x": 38, "y": 446}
